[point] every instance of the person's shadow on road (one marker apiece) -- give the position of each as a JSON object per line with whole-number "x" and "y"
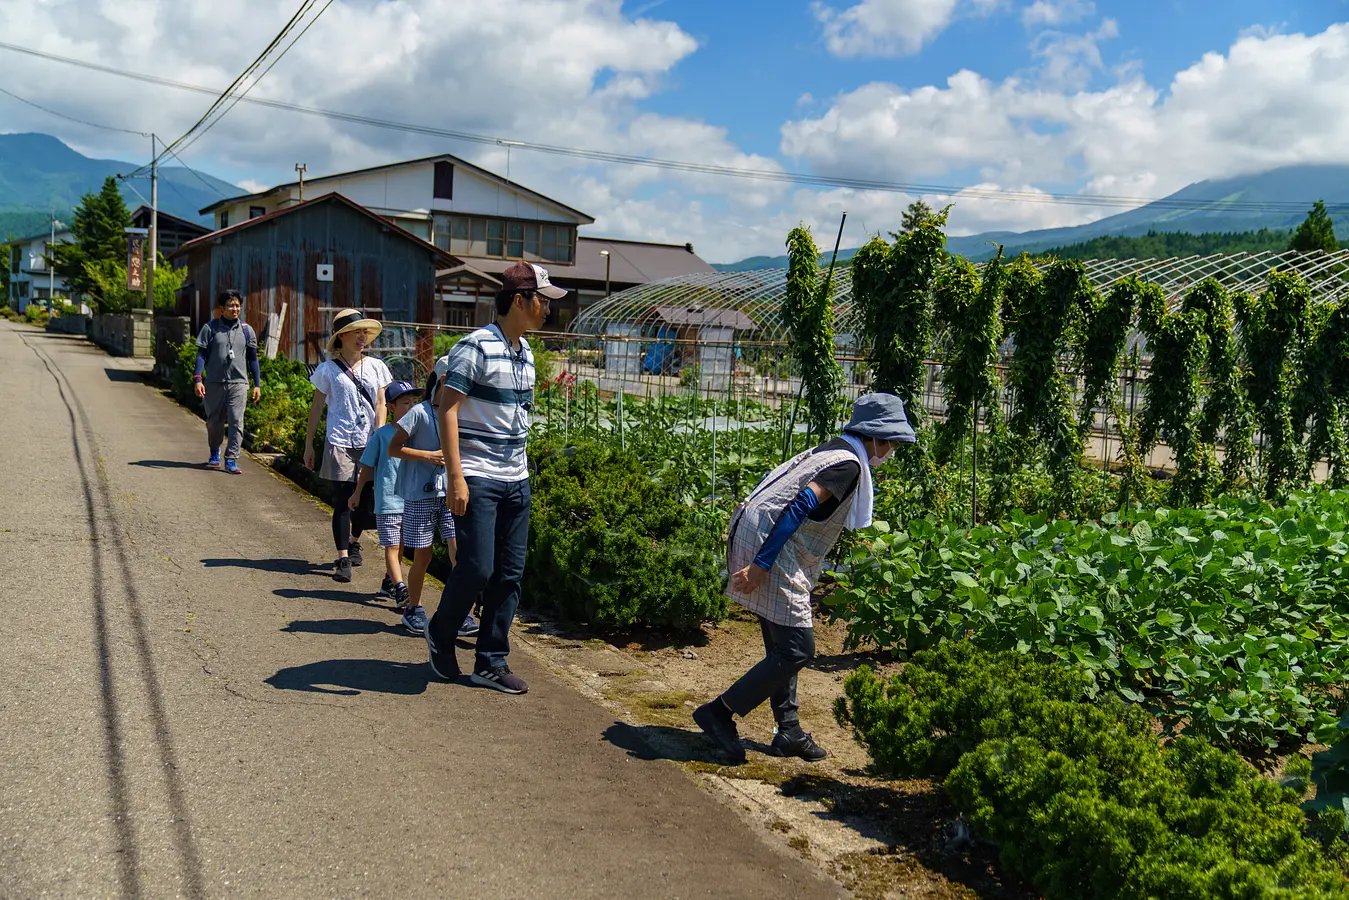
{"x": 168, "y": 464}
{"x": 651, "y": 742}
{"x": 337, "y": 596}
{"x": 280, "y": 566}
{"x": 349, "y": 677}
{"x": 345, "y": 627}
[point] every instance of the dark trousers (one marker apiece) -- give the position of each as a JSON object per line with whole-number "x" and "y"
{"x": 493, "y": 536}
{"x": 347, "y": 524}
{"x": 786, "y": 651}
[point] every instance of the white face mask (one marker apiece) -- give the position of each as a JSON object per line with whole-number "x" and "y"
{"x": 875, "y": 460}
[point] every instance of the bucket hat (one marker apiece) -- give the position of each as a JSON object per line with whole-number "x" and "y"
{"x": 881, "y": 416}
{"x": 352, "y": 320}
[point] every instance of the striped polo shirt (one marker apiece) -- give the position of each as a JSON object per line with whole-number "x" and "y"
{"x": 498, "y": 387}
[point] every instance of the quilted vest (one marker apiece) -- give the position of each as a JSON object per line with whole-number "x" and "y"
{"x": 784, "y": 597}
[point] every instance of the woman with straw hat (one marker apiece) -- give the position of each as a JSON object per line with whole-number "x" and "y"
{"x": 351, "y": 385}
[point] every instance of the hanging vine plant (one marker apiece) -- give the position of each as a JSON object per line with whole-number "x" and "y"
{"x": 892, "y": 284}
{"x": 808, "y": 312}
{"x": 1322, "y": 399}
{"x": 1099, "y": 354}
{"x": 1226, "y": 414}
{"x": 1172, "y": 395}
{"x": 968, "y": 321}
{"x": 1048, "y": 313}
{"x": 1273, "y": 337}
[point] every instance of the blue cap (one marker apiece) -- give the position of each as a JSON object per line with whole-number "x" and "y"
{"x": 396, "y": 389}
{"x": 881, "y": 416}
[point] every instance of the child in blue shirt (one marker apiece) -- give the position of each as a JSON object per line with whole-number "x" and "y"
{"x": 379, "y": 466}
{"x": 421, "y": 484}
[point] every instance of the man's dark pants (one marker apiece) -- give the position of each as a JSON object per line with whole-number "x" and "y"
{"x": 225, "y": 404}
{"x": 773, "y": 678}
{"x": 493, "y": 535}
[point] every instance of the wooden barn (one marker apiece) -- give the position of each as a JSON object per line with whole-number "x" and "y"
{"x": 298, "y": 265}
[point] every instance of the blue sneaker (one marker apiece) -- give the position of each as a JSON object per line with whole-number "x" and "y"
{"x": 232, "y": 467}
{"x": 214, "y": 461}
{"x": 414, "y": 620}
{"x": 469, "y": 628}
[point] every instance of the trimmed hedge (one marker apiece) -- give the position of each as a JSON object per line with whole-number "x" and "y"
{"x": 1081, "y": 798}
{"x": 613, "y": 548}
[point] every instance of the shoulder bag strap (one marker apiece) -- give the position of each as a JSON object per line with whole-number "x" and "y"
{"x": 361, "y": 387}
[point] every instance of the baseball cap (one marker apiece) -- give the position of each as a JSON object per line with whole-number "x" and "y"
{"x": 525, "y": 276}
{"x": 396, "y": 390}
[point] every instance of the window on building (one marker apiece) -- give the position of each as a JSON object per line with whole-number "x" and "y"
{"x": 444, "y": 186}
{"x": 506, "y": 239}
{"x": 23, "y": 289}
{"x": 15, "y": 259}
{"x": 225, "y": 219}
{"x": 256, "y": 212}
{"x": 420, "y": 227}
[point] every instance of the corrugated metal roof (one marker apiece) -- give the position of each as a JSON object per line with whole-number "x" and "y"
{"x": 634, "y": 262}
{"x": 443, "y": 259}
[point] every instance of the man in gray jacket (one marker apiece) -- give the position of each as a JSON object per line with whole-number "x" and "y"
{"x": 227, "y": 354}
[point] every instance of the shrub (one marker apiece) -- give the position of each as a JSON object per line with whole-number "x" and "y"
{"x": 1081, "y": 798}
{"x": 613, "y": 548}
{"x": 36, "y": 315}
{"x": 280, "y": 416}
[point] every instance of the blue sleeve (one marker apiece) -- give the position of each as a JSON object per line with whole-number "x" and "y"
{"x": 790, "y": 520}
{"x": 373, "y": 450}
{"x": 201, "y": 363}
{"x": 254, "y": 367}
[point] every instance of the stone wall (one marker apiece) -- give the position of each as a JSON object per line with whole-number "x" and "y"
{"x": 127, "y": 335}
{"x": 170, "y": 333}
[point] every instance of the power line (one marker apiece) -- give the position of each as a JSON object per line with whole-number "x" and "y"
{"x": 62, "y": 115}
{"x": 269, "y": 68}
{"x": 200, "y": 178}
{"x": 1071, "y": 199}
{"x": 226, "y": 94}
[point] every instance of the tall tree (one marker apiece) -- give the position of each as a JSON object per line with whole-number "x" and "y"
{"x": 100, "y": 226}
{"x": 1317, "y": 231}
{"x": 916, "y": 214}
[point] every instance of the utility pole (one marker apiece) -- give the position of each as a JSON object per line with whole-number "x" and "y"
{"x": 154, "y": 226}
{"x": 302, "y": 168}
{"x": 51, "y": 267}
{"x": 607, "y": 260}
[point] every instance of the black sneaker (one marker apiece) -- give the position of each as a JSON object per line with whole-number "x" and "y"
{"x": 501, "y": 679}
{"x": 342, "y": 571}
{"x": 444, "y": 665}
{"x": 354, "y": 554}
{"x": 717, "y": 723}
{"x": 385, "y": 588}
{"x": 802, "y": 747}
{"x": 400, "y": 595}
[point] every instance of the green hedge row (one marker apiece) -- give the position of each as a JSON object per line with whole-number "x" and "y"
{"x": 613, "y": 547}
{"x": 1081, "y": 799}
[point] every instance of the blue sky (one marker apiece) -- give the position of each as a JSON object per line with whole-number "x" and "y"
{"x": 1008, "y": 99}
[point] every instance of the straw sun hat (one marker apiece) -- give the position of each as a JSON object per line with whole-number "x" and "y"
{"x": 352, "y": 320}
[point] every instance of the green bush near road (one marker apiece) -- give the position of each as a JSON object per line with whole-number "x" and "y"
{"x": 612, "y": 547}
{"x": 1080, "y": 798}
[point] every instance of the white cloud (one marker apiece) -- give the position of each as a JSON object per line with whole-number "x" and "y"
{"x": 890, "y": 27}
{"x": 1056, "y": 12}
{"x": 1268, "y": 101}
{"x": 1070, "y": 60}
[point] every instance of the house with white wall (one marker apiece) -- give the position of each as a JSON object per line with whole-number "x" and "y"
{"x": 30, "y": 275}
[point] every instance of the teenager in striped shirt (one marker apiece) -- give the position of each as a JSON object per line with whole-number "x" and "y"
{"x": 485, "y": 400}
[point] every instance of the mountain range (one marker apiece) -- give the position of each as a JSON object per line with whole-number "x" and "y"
{"x": 1208, "y": 209}
{"x": 39, "y": 174}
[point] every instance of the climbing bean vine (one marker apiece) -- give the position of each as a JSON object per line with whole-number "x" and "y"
{"x": 809, "y": 313}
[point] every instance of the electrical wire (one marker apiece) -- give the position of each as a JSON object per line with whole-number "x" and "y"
{"x": 200, "y": 177}
{"x": 226, "y": 94}
{"x": 61, "y": 115}
{"x": 1071, "y": 199}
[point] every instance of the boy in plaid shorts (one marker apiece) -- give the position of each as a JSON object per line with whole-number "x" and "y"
{"x": 379, "y": 467}
{"x": 421, "y": 484}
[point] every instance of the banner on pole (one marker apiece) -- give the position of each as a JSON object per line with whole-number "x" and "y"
{"x": 135, "y": 259}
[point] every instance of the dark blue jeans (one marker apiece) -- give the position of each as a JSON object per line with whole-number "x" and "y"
{"x": 493, "y": 535}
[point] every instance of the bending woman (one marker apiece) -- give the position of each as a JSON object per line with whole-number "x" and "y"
{"x": 352, "y": 386}
{"x": 779, "y": 539}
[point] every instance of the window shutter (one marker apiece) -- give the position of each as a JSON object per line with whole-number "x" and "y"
{"x": 444, "y": 187}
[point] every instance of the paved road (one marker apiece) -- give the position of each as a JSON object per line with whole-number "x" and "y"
{"x": 190, "y": 707}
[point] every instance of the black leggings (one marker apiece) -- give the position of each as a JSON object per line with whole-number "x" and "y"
{"x": 347, "y": 525}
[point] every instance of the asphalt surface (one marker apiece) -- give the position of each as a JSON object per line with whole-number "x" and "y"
{"x": 190, "y": 706}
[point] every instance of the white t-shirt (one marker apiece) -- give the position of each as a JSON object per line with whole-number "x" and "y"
{"x": 351, "y": 421}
